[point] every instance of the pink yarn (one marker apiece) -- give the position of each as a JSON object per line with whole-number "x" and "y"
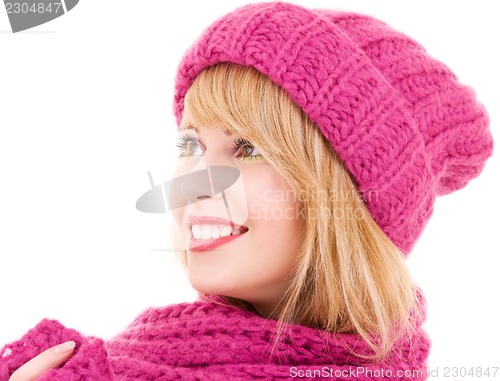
{"x": 406, "y": 129}
{"x": 206, "y": 341}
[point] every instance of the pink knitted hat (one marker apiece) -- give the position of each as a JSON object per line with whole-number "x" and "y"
{"x": 405, "y": 128}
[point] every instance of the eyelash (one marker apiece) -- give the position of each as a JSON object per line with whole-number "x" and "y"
{"x": 238, "y": 144}
{"x": 182, "y": 144}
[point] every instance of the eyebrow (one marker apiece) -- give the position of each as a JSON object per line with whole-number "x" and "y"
{"x": 190, "y": 126}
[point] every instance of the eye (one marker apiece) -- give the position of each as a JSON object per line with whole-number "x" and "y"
{"x": 188, "y": 146}
{"x": 247, "y": 150}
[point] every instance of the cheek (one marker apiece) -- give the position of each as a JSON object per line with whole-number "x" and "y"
{"x": 270, "y": 200}
{"x": 274, "y": 214}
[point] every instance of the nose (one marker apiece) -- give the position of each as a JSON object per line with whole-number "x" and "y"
{"x": 208, "y": 183}
{"x": 209, "y": 178}
{"x": 187, "y": 189}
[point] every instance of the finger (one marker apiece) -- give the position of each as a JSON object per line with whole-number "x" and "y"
{"x": 45, "y": 361}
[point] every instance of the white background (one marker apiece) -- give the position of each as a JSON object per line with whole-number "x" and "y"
{"x": 85, "y": 112}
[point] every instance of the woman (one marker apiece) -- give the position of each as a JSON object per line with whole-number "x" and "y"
{"x": 342, "y": 131}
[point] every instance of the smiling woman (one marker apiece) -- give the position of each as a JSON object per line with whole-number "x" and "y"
{"x": 254, "y": 265}
{"x": 342, "y": 132}
{"x": 265, "y": 269}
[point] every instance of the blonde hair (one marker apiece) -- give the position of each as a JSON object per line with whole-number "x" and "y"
{"x": 349, "y": 276}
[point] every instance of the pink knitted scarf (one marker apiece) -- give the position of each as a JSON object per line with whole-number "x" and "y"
{"x": 206, "y": 341}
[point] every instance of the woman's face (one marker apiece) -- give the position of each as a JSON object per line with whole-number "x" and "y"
{"x": 254, "y": 264}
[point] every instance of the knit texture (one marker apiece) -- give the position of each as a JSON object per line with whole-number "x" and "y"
{"x": 404, "y": 126}
{"x": 207, "y": 341}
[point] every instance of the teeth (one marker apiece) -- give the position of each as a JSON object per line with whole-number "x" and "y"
{"x": 226, "y": 230}
{"x": 212, "y": 231}
{"x": 215, "y": 233}
{"x": 196, "y": 231}
{"x": 206, "y": 232}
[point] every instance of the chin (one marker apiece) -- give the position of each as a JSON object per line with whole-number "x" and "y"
{"x": 207, "y": 288}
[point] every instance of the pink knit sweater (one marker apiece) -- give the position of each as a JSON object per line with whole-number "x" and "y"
{"x": 206, "y": 341}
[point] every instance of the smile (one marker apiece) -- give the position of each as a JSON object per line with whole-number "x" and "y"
{"x": 209, "y": 232}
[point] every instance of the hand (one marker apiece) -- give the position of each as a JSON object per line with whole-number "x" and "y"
{"x": 44, "y": 362}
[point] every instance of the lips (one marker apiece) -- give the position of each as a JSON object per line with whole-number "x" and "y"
{"x": 208, "y": 232}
